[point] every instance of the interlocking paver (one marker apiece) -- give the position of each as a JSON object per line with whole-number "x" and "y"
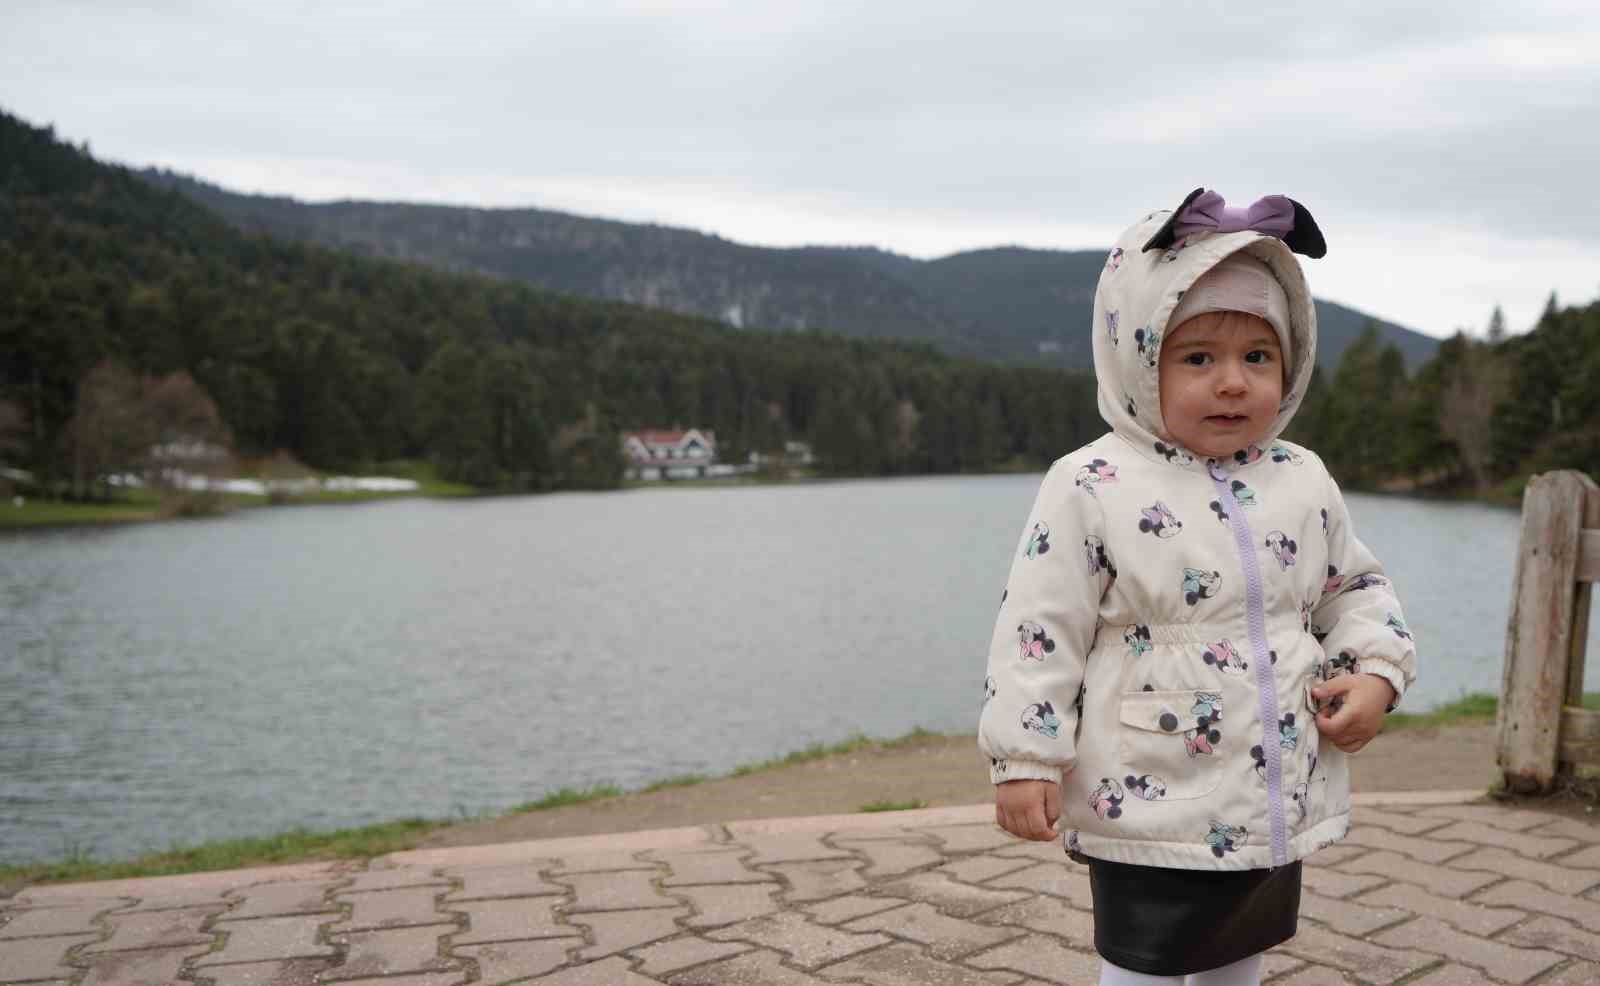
{"x": 1054, "y": 851}
{"x": 789, "y": 848}
{"x": 1314, "y": 975}
{"x": 1508, "y": 963}
{"x": 178, "y": 898}
{"x": 1331, "y": 856}
{"x": 1469, "y": 916}
{"x": 391, "y": 909}
{"x": 807, "y": 944}
{"x": 510, "y": 920}
{"x": 957, "y": 899}
{"x": 970, "y": 838}
{"x": 1588, "y": 859}
{"x": 904, "y": 965}
{"x": 291, "y": 972}
{"x": 727, "y": 904}
{"x": 1507, "y": 818}
{"x": 609, "y": 972}
{"x": 689, "y": 868}
{"x": 1406, "y": 824}
{"x": 842, "y": 909}
{"x": 157, "y": 929}
{"x": 1531, "y": 897}
{"x": 625, "y": 890}
{"x": 266, "y": 939}
{"x": 1071, "y": 882}
{"x": 137, "y": 968}
{"x": 1428, "y": 850}
{"x": 1554, "y": 933}
{"x": 488, "y": 882}
{"x": 613, "y": 931}
{"x": 382, "y": 953}
{"x": 1334, "y": 883}
{"x": 1372, "y": 962}
{"x": 1522, "y": 843}
{"x": 1577, "y": 974}
{"x": 1442, "y": 880}
{"x": 600, "y": 862}
{"x": 33, "y": 923}
{"x": 680, "y": 953}
{"x": 279, "y": 899}
{"x": 502, "y": 962}
{"x": 819, "y": 879}
{"x": 893, "y": 858}
{"x": 946, "y": 938}
{"x": 1276, "y": 963}
{"x": 1558, "y": 876}
{"x": 403, "y": 876}
{"x": 39, "y": 958}
{"x": 1042, "y": 957}
{"x": 1049, "y": 915}
{"x": 761, "y": 968}
{"x": 1347, "y": 917}
{"x": 976, "y": 869}
{"x": 1569, "y": 828}
{"x": 419, "y": 979}
{"x": 1452, "y": 975}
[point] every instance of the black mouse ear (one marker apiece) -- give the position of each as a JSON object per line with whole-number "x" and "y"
{"x": 1306, "y": 237}
{"x": 1167, "y": 234}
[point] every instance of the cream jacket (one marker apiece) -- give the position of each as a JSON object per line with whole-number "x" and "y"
{"x": 1166, "y": 616}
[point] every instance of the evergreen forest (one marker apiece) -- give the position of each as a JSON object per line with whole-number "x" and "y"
{"x": 133, "y": 318}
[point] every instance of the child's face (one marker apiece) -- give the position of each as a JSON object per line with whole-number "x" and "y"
{"x": 1221, "y": 382}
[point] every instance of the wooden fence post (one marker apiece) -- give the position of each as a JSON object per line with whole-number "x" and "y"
{"x": 1540, "y": 645}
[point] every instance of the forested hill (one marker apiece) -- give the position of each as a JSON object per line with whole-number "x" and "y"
{"x": 347, "y": 361}
{"x": 1008, "y": 304}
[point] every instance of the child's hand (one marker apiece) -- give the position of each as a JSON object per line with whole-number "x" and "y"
{"x": 1352, "y": 724}
{"x": 1028, "y": 809}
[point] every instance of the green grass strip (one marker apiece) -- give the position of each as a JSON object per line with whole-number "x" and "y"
{"x": 294, "y": 846}
{"x": 894, "y": 805}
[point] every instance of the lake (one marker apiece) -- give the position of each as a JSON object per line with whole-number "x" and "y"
{"x": 329, "y": 666}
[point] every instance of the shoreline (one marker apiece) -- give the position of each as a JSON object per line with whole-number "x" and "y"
{"x": 1449, "y": 747}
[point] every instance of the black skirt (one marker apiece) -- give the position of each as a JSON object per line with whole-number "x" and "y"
{"x": 1170, "y": 922}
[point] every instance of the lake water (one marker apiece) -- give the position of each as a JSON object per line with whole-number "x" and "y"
{"x": 331, "y": 666}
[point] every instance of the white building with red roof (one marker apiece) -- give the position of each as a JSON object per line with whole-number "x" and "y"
{"x": 679, "y": 454}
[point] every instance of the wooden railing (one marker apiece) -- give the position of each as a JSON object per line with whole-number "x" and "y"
{"x": 1544, "y": 730}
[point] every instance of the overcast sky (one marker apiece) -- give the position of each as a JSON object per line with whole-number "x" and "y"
{"x": 1450, "y": 150}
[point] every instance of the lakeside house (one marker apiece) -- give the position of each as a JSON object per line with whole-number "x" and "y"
{"x": 676, "y": 454}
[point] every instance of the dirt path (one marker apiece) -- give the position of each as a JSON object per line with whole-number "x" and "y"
{"x": 945, "y": 770}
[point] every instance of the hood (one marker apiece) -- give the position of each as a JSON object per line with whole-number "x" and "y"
{"x": 1137, "y": 292}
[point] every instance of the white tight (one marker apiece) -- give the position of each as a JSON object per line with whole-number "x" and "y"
{"x": 1245, "y": 972}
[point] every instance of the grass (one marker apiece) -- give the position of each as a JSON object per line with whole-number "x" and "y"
{"x": 294, "y": 846}
{"x": 1476, "y": 707}
{"x": 894, "y": 805}
{"x": 376, "y": 840}
{"x": 35, "y": 512}
{"x": 562, "y": 797}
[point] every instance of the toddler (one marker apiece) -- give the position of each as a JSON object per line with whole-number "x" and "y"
{"x": 1192, "y": 640}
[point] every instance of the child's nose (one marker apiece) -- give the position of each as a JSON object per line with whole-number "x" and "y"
{"x": 1230, "y": 378}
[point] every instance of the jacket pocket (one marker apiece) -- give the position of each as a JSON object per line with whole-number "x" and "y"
{"x": 1171, "y": 744}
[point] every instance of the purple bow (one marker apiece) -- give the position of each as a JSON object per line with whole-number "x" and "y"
{"x": 1271, "y": 214}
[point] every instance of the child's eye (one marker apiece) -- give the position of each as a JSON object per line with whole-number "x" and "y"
{"x": 1197, "y": 359}
{"x": 1258, "y": 356}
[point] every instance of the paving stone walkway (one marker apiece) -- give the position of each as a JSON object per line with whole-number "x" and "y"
{"x": 1434, "y": 889}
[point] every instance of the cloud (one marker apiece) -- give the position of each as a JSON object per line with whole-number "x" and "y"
{"x": 1418, "y": 131}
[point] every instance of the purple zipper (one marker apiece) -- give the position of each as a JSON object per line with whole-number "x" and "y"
{"x": 1255, "y": 609}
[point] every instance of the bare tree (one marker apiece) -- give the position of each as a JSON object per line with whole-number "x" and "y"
{"x": 108, "y": 434}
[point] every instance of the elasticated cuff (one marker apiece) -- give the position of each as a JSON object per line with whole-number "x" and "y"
{"x": 1001, "y": 771}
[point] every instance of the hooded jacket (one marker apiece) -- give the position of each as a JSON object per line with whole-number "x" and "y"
{"x": 1166, "y": 615}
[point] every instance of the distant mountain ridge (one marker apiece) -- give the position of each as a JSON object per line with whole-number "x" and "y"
{"x": 1003, "y": 304}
